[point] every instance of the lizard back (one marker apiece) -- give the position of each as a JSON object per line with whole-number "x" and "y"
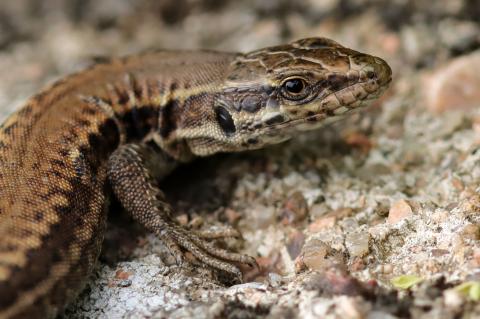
{"x": 52, "y": 168}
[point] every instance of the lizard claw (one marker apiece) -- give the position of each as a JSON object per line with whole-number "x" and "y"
{"x": 175, "y": 236}
{"x": 216, "y": 233}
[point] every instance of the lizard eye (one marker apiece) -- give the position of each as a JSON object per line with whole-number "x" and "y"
{"x": 294, "y": 88}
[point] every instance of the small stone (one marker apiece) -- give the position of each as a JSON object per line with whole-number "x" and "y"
{"x": 295, "y": 244}
{"x": 124, "y": 283}
{"x": 274, "y": 279}
{"x": 196, "y": 222}
{"x": 350, "y": 308}
{"x": 357, "y": 243}
{"x": 272, "y": 263}
{"x": 459, "y": 35}
{"x": 329, "y": 220}
{"x": 391, "y": 43}
{"x": 349, "y": 225}
{"x": 318, "y": 210}
{"x": 458, "y": 184}
{"x": 376, "y": 314}
{"x": 471, "y": 231}
{"x": 341, "y": 212}
{"x": 439, "y": 216}
{"x": 314, "y": 253}
{"x": 439, "y": 252}
{"x": 131, "y": 303}
{"x": 455, "y": 86}
{"x": 262, "y": 216}
{"x": 387, "y": 269}
{"x": 452, "y": 299}
{"x": 155, "y": 301}
{"x": 295, "y": 209}
{"x": 182, "y": 219}
{"x": 321, "y": 308}
{"x": 336, "y": 281}
{"x": 232, "y": 215}
{"x": 359, "y": 141}
{"x": 121, "y": 274}
{"x": 399, "y": 211}
{"x": 417, "y": 43}
{"x": 322, "y": 223}
{"x": 323, "y": 7}
{"x": 476, "y": 258}
{"x": 358, "y": 264}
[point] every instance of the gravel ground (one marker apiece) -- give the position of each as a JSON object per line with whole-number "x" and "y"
{"x": 376, "y": 216}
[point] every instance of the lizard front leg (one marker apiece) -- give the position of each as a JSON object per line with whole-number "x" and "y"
{"x": 132, "y": 171}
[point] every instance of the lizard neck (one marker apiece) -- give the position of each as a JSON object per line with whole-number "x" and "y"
{"x": 169, "y": 94}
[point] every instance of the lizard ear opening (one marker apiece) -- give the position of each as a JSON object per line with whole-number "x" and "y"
{"x": 225, "y": 121}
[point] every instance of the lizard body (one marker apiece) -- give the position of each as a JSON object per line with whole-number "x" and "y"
{"x": 121, "y": 125}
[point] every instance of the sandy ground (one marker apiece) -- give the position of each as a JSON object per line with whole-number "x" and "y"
{"x": 374, "y": 217}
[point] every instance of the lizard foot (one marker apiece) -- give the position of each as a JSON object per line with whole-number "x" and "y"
{"x": 206, "y": 251}
{"x": 129, "y": 175}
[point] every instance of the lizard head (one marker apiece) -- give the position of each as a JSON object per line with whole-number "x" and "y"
{"x": 271, "y": 94}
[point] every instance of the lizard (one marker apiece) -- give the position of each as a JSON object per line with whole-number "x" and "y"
{"x": 115, "y": 129}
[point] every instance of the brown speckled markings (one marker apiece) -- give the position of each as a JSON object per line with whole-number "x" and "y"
{"x": 52, "y": 180}
{"x": 60, "y": 152}
{"x": 52, "y": 219}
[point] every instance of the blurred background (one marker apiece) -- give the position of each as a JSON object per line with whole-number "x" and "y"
{"x": 40, "y": 40}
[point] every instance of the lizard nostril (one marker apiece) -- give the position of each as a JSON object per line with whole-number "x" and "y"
{"x": 383, "y": 72}
{"x": 371, "y": 75}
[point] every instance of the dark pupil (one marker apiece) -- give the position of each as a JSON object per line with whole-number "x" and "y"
{"x": 225, "y": 120}
{"x": 294, "y": 86}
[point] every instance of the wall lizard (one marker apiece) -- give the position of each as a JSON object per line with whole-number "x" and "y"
{"x": 118, "y": 127}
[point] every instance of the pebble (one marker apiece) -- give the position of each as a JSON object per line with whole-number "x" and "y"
{"x": 457, "y": 34}
{"x": 232, "y": 215}
{"x": 452, "y": 299}
{"x": 357, "y": 244}
{"x": 476, "y": 258}
{"x": 399, "y": 211}
{"x": 247, "y": 286}
{"x": 471, "y": 231}
{"x": 182, "y": 219}
{"x": 295, "y": 243}
{"x": 121, "y": 274}
{"x": 262, "y": 216}
{"x": 439, "y": 252}
{"x": 350, "y": 308}
{"x": 455, "y": 86}
{"x": 359, "y": 141}
{"x": 318, "y": 210}
{"x": 417, "y": 43}
{"x": 124, "y": 283}
{"x": 380, "y": 315}
{"x": 322, "y": 223}
{"x": 329, "y": 220}
{"x": 357, "y": 264}
{"x": 295, "y": 209}
{"x": 314, "y": 253}
{"x": 274, "y": 279}
{"x": 387, "y": 269}
{"x": 321, "y": 307}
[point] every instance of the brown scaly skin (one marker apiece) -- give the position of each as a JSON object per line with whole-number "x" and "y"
{"x": 124, "y": 124}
